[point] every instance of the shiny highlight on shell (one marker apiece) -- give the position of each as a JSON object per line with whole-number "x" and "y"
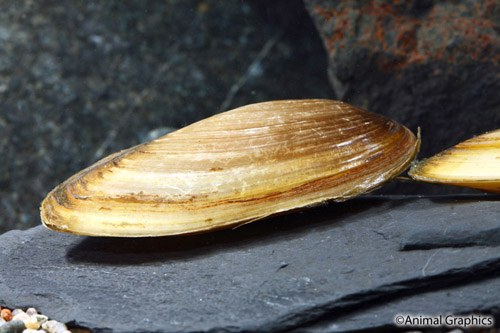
{"x": 233, "y": 168}
{"x": 474, "y": 163}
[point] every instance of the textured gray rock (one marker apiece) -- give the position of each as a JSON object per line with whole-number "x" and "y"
{"x": 333, "y": 268}
{"x": 80, "y": 80}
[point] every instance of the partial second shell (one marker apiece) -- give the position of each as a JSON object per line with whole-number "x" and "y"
{"x": 233, "y": 168}
{"x": 473, "y": 163}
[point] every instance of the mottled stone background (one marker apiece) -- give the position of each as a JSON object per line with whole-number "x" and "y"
{"x": 82, "y": 79}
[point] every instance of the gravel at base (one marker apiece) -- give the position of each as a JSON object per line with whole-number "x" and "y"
{"x": 29, "y": 321}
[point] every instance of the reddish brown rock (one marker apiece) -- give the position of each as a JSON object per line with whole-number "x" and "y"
{"x": 434, "y": 64}
{"x": 6, "y": 314}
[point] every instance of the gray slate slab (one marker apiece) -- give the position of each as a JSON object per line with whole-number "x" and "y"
{"x": 478, "y": 297}
{"x": 338, "y": 267}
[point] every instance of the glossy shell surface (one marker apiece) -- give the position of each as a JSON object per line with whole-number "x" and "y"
{"x": 473, "y": 163}
{"x": 232, "y": 168}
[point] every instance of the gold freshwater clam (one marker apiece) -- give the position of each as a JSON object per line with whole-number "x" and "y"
{"x": 232, "y": 168}
{"x": 473, "y": 163}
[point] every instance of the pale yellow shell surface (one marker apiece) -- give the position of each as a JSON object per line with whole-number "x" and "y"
{"x": 232, "y": 168}
{"x": 473, "y": 163}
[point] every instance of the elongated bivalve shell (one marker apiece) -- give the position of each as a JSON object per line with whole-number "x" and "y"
{"x": 473, "y": 163}
{"x": 233, "y": 168}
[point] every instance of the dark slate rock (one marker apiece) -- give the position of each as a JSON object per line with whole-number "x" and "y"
{"x": 82, "y": 79}
{"x": 479, "y": 297}
{"x": 324, "y": 269}
{"x": 432, "y": 64}
{"x": 455, "y": 237}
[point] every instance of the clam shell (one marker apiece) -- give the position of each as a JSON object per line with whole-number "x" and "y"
{"x": 233, "y": 168}
{"x": 473, "y": 163}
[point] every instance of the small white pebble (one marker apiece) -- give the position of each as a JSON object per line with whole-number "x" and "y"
{"x": 21, "y": 316}
{"x": 53, "y": 326}
{"x": 32, "y": 323}
{"x": 2, "y": 321}
{"x": 31, "y": 312}
{"x": 41, "y": 318}
{"x": 17, "y": 311}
